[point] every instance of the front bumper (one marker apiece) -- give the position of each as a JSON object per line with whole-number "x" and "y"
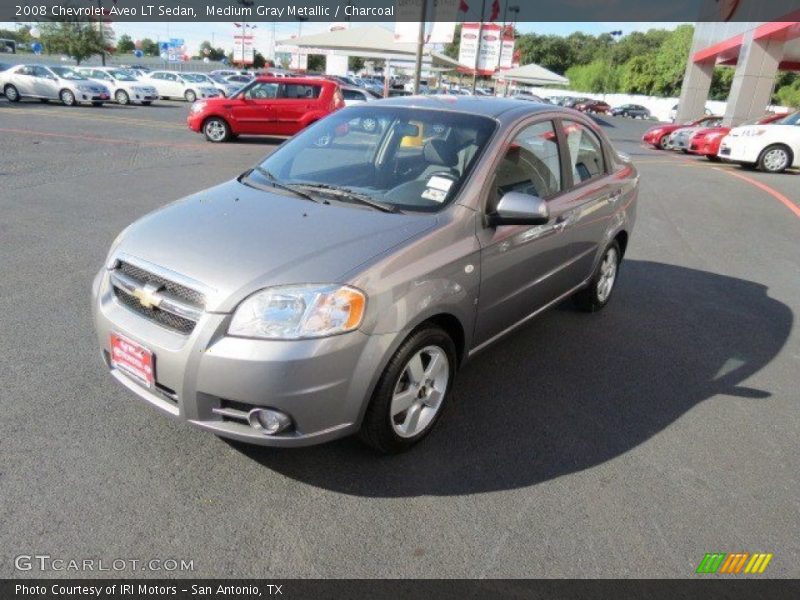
{"x": 195, "y": 121}
{"x": 322, "y": 384}
{"x": 739, "y": 150}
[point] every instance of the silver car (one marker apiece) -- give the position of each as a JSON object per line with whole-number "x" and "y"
{"x": 338, "y": 287}
{"x": 53, "y": 83}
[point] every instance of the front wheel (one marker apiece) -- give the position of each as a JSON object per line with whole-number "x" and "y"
{"x": 412, "y": 391}
{"x": 597, "y": 294}
{"x": 775, "y": 159}
{"x": 190, "y": 96}
{"x": 122, "y": 97}
{"x": 67, "y": 98}
{"x": 216, "y": 130}
{"x": 663, "y": 143}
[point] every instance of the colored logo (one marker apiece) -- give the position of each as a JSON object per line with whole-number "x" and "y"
{"x": 734, "y": 563}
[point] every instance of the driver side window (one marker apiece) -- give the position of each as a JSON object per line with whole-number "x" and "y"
{"x": 531, "y": 164}
{"x": 263, "y": 91}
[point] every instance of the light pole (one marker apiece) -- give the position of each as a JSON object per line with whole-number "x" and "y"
{"x": 515, "y": 10}
{"x": 420, "y": 47}
{"x": 478, "y": 48}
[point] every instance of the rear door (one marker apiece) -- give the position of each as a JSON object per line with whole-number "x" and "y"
{"x": 45, "y": 83}
{"x": 25, "y": 81}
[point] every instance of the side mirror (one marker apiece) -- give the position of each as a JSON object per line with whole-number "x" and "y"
{"x": 516, "y": 208}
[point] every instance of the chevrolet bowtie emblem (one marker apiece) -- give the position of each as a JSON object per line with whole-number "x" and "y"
{"x": 148, "y": 296}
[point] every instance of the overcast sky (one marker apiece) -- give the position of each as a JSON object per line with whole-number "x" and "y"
{"x": 222, "y": 33}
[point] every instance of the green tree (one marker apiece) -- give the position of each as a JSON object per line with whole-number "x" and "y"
{"x": 125, "y": 44}
{"x": 453, "y": 47}
{"x": 789, "y": 95}
{"x": 636, "y": 75}
{"x": 259, "y": 61}
{"x": 316, "y": 62}
{"x": 207, "y": 50}
{"x": 77, "y": 39}
{"x": 670, "y": 63}
{"x": 355, "y": 63}
{"x": 549, "y": 51}
{"x": 721, "y": 83}
{"x": 599, "y": 77}
{"x": 149, "y": 47}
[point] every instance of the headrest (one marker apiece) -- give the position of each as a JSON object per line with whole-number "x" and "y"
{"x": 439, "y": 152}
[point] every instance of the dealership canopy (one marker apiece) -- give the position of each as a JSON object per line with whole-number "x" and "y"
{"x": 370, "y": 42}
{"x": 531, "y": 74}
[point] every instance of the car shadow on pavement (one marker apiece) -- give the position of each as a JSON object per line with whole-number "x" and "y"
{"x": 571, "y": 390}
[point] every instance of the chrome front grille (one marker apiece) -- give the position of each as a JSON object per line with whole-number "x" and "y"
{"x": 166, "y": 302}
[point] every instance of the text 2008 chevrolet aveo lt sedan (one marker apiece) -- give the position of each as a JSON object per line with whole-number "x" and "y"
{"x": 338, "y": 286}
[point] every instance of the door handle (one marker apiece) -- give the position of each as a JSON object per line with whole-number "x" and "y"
{"x": 614, "y": 196}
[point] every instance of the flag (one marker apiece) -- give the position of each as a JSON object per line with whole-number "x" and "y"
{"x": 463, "y": 6}
{"x": 495, "y": 10}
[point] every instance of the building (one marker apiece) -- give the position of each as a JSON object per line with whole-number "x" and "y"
{"x": 758, "y": 50}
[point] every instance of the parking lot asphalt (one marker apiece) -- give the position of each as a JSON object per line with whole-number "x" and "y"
{"x": 621, "y": 444}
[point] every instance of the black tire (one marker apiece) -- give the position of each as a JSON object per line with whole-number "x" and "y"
{"x": 684, "y": 150}
{"x": 663, "y": 143}
{"x": 713, "y": 157}
{"x": 43, "y": 100}
{"x": 146, "y": 102}
{"x": 190, "y": 96}
{"x": 121, "y": 97}
{"x": 589, "y": 298}
{"x": 377, "y": 430}
{"x": 216, "y": 130}
{"x": 67, "y": 98}
{"x": 14, "y": 96}
{"x": 97, "y": 104}
{"x": 771, "y": 166}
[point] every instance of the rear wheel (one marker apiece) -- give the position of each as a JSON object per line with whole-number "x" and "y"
{"x": 663, "y": 143}
{"x": 598, "y": 293}
{"x": 216, "y": 130}
{"x": 190, "y": 95}
{"x": 775, "y": 159}
{"x": 121, "y": 96}
{"x": 67, "y": 98}
{"x": 712, "y": 157}
{"x": 11, "y": 93}
{"x": 412, "y": 391}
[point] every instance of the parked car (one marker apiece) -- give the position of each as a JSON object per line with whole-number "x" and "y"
{"x": 573, "y": 102}
{"x": 705, "y": 142}
{"x": 267, "y": 106}
{"x": 636, "y": 111}
{"x": 240, "y": 79}
{"x": 356, "y": 95}
{"x": 679, "y": 138}
{"x": 53, "y": 83}
{"x": 187, "y": 86}
{"x": 674, "y": 112}
{"x": 338, "y": 288}
{"x": 124, "y": 87}
{"x": 772, "y": 148}
{"x": 225, "y": 88}
{"x": 4, "y": 67}
{"x": 658, "y": 136}
{"x": 594, "y": 106}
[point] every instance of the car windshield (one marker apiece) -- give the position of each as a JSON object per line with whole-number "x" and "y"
{"x": 194, "y": 77}
{"x": 402, "y": 158}
{"x": 122, "y": 76}
{"x": 67, "y": 73}
{"x": 219, "y": 78}
{"x": 792, "y": 119}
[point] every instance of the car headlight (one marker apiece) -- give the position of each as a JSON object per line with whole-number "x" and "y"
{"x": 197, "y": 107}
{"x": 751, "y": 132}
{"x": 294, "y": 312}
{"x": 85, "y": 88}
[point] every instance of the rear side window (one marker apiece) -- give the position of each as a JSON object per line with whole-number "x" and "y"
{"x": 300, "y": 91}
{"x": 585, "y": 152}
{"x": 352, "y": 95}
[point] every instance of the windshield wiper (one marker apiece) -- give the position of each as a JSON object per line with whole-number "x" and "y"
{"x": 344, "y": 192}
{"x": 273, "y": 181}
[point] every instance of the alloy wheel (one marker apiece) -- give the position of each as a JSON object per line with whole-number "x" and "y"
{"x": 215, "y": 130}
{"x": 67, "y": 97}
{"x": 11, "y": 93}
{"x": 775, "y": 160}
{"x": 419, "y": 391}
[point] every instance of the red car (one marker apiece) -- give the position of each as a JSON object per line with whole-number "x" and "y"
{"x": 594, "y": 106}
{"x": 266, "y": 106}
{"x": 706, "y": 141}
{"x": 658, "y": 136}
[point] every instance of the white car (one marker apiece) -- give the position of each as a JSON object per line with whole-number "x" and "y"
{"x": 354, "y": 95}
{"x": 773, "y": 148}
{"x": 125, "y": 87}
{"x": 187, "y": 86}
{"x": 52, "y": 83}
{"x": 226, "y": 88}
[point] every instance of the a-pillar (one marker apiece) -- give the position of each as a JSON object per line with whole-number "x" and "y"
{"x": 694, "y": 92}
{"x": 754, "y": 79}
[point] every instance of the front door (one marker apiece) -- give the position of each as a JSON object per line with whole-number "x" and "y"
{"x": 254, "y": 112}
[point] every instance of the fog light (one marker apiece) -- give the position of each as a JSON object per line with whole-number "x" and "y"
{"x": 268, "y": 421}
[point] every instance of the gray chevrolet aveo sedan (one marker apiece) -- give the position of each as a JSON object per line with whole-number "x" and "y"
{"x": 339, "y": 285}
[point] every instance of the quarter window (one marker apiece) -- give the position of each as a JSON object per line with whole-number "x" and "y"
{"x": 531, "y": 164}
{"x": 585, "y": 152}
{"x": 295, "y": 91}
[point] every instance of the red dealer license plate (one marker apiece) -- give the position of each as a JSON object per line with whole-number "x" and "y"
{"x": 133, "y": 359}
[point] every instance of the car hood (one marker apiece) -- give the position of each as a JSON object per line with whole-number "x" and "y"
{"x": 234, "y": 240}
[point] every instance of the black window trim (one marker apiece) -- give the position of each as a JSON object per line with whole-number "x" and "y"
{"x": 567, "y": 159}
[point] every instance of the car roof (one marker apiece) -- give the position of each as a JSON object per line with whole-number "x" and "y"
{"x": 303, "y": 80}
{"x": 488, "y": 106}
